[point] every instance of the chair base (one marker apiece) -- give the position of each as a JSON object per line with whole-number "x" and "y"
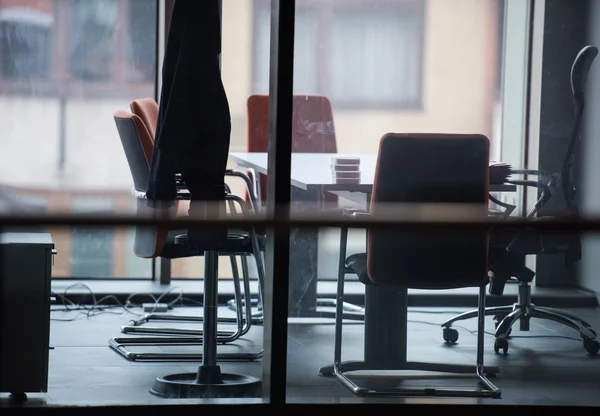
{"x": 522, "y": 312}
{"x": 340, "y": 369}
{"x": 348, "y": 366}
{"x": 490, "y": 390}
{"x": 120, "y": 345}
{"x": 350, "y": 311}
{"x": 137, "y": 326}
{"x": 184, "y": 336}
{"x": 207, "y": 383}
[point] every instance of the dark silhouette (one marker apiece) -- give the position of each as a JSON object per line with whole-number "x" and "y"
{"x": 194, "y": 122}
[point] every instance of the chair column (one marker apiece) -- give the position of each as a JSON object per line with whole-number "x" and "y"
{"x": 208, "y": 381}
{"x": 210, "y": 372}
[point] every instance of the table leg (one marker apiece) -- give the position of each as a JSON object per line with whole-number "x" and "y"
{"x": 386, "y": 341}
{"x": 385, "y": 332}
{"x": 304, "y": 250}
{"x": 385, "y": 327}
{"x": 303, "y": 273}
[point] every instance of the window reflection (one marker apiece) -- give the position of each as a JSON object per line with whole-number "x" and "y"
{"x": 92, "y": 27}
{"x": 142, "y": 40}
{"x": 26, "y": 41}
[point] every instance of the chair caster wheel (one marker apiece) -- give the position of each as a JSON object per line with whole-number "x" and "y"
{"x": 501, "y": 344}
{"x": 592, "y": 346}
{"x": 450, "y": 335}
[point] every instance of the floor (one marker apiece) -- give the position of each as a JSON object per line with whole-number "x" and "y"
{"x": 79, "y": 292}
{"x": 546, "y": 366}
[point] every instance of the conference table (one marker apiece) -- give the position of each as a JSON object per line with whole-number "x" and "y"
{"x": 385, "y": 310}
{"x": 311, "y": 173}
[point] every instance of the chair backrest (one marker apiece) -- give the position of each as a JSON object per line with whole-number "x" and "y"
{"x": 138, "y": 145}
{"x": 430, "y": 168}
{"x": 313, "y": 130}
{"x": 147, "y": 110}
{"x": 579, "y": 74}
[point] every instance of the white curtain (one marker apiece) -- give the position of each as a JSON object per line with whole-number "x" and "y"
{"x": 375, "y": 57}
{"x": 305, "y": 52}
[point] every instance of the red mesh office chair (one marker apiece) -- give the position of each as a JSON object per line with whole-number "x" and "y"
{"x": 421, "y": 169}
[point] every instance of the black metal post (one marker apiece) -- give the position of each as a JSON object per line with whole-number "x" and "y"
{"x": 278, "y": 200}
{"x": 210, "y": 372}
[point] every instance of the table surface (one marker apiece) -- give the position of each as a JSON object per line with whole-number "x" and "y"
{"x": 314, "y": 169}
{"x": 44, "y": 239}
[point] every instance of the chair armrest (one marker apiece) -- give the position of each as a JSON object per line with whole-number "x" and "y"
{"x": 353, "y": 212}
{"x": 183, "y": 195}
{"x": 361, "y": 213}
{"x": 539, "y": 173}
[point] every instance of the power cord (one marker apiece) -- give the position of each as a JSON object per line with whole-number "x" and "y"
{"x": 474, "y": 332}
{"x": 97, "y": 307}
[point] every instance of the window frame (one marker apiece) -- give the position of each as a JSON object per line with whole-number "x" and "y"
{"x": 324, "y": 10}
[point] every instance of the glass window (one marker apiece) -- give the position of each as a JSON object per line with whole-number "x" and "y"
{"x": 305, "y": 50}
{"x": 142, "y": 42}
{"x": 69, "y": 46}
{"x": 91, "y": 38}
{"x": 92, "y": 248}
{"x": 69, "y": 65}
{"x": 91, "y": 253}
{"x": 352, "y": 52}
{"x": 25, "y": 42}
{"x": 136, "y": 267}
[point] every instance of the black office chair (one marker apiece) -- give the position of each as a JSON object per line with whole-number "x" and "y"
{"x": 508, "y": 252}
{"x": 422, "y": 169}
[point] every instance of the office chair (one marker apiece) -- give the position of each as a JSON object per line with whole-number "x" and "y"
{"x": 147, "y": 110}
{"x": 152, "y": 242}
{"x": 422, "y": 169}
{"x": 509, "y": 261}
{"x": 313, "y": 131}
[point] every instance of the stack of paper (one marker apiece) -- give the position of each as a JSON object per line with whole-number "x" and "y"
{"x": 345, "y": 170}
{"x": 499, "y": 172}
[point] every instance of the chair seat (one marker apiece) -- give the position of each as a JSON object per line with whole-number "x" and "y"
{"x": 238, "y": 242}
{"x": 358, "y": 264}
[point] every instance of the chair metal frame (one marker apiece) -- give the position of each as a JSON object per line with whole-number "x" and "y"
{"x": 340, "y": 369}
{"x": 244, "y": 317}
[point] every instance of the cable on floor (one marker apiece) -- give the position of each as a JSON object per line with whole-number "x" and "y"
{"x": 474, "y": 332}
{"x": 97, "y": 307}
